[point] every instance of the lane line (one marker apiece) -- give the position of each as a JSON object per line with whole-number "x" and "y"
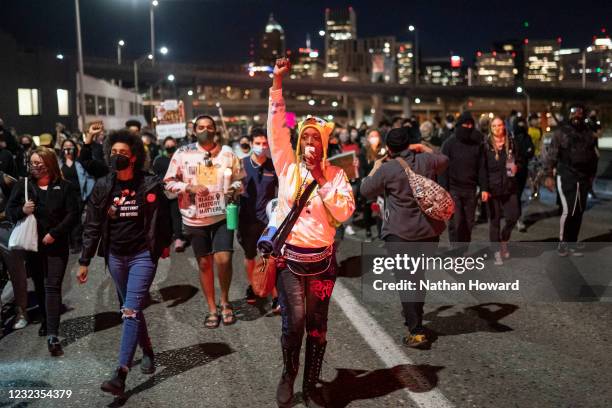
{"x": 382, "y": 344}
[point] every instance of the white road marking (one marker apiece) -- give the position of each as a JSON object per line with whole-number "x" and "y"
{"x": 382, "y": 344}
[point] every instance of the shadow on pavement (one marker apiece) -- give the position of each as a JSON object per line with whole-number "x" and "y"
{"x": 480, "y": 318}
{"x": 350, "y": 267}
{"x": 178, "y": 293}
{"x": 175, "y": 362}
{"x": 351, "y": 385}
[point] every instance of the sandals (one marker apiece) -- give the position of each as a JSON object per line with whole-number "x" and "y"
{"x": 212, "y": 320}
{"x": 227, "y": 315}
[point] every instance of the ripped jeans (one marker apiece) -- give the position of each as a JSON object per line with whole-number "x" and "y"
{"x": 304, "y": 301}
{"x": 133, "y": 276}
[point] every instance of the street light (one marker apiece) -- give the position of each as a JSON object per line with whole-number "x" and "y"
{"x": 322, "y": 33}
{"x": 412, "y": 28}
{"x": 417, "y": 100}
{"x": 190, "y": 92}
{"x": 520, "y": 90}
{"x": 154, "y": 4}
{"x": 77, "y": 13}
{"x": 120, "y": 45}
{"x": 171, "y": 77}
{"x": 163, "y": 50}
{"x": 60, "y": 56}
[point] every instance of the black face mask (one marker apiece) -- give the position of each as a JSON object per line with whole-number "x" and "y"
{"x": 119, "y": 162}
{"x": 205, "y": 137}
{"x": 245, "y": 146}
{"x": 170, "y": 150}
{"x": 26, "y": 146}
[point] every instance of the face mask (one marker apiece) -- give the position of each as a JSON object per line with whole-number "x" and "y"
{"x": 205, "y": 137}
{"x": 374, "y": 141}
{"x": 38, "y": 171}
{"x": 119, "y": 162}
{"x": 260, "y": 151}
{"x": 170, "y": 150}
{"x": 69, "y": 151}
{"x": 449, "y": 125}
{"x": 245, "y": 146}
{"x": 26, "y": 146}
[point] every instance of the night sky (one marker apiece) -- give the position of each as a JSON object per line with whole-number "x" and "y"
{"x": 218, "y": 31}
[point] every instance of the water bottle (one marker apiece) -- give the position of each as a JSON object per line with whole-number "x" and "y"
{"x": 510, "y": 164}
{"x": 231, "y": 216}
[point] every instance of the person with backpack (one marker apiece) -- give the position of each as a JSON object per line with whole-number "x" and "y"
{"x": 572, "y": 158}
{"x": 404, "y": 220}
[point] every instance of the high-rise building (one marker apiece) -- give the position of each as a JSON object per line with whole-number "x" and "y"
{"x": 367, "y": 59}
{"x": 514, "y": 47}
{"x": 404, "y": 59}
{"x": 443, "y": 71}
{"x": 593, "y": 65}
{"x": 570, "y": 64}
{"x": 307, "y": 62}
{"x": 272, "y": 43}
{"x": 495, "y": 68}
{"x": 542, "y": 61}
{"x": 340, "y": 26}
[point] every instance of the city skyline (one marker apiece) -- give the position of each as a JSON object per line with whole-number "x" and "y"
{"x": 239, "y": 25}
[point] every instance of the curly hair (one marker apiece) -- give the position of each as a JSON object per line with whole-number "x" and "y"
{"x": 135, "y": 143}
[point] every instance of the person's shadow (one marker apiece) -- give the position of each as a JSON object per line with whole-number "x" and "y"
{"x": 351, "y": 385}
{"x": 484, "y": 317}
{"x": 175, "y": 362}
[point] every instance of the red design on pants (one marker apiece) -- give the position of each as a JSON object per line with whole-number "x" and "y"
{"x": 322, "y": 288}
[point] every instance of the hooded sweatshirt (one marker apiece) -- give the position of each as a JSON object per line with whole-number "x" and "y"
{"x": 464, "y": 152}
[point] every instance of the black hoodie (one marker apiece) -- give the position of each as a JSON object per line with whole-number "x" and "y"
{"x": 464, "y": 152}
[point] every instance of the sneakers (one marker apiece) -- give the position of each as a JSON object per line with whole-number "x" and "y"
{"x": 349, "y": 230}
{"x": 520, "y": 225}
{"x": 499, "y": 261}
{"x": 276, "y": 309}
{"x": 179, "y": 245}
{"x": 415, "y": 340}
{"x": 505, "y": 253}
{"x": 55, "y": 347}
{"x": 116, "y": 385}
{"x": 251, "y": 298}
{"x": 564, "y": 250}
{"x": 20, "y": 321}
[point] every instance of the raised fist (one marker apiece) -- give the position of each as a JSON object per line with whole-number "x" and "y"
{"x": 282, "y": 66}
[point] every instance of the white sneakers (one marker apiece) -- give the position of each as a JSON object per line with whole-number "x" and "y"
{"x": 20, "y": 322}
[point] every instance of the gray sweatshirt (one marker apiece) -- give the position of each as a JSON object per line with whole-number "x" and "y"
{"x": 402, "y": 215}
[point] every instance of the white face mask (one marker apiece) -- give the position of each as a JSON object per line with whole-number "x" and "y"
{"x": 449, "y": 125}
{"x": 374, "y": 141}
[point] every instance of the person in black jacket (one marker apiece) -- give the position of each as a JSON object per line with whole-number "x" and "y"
{"x": 54, "y": 203}
{"x": 499, "y": 186}
{"x": 572, "y": 157}
{"x": 464, "y": 152}
{"x": 525, "y": 149}
{"x": 91, "y": 155}
{"x": 160, "y": 167}
{"x": 128, "y": 222}
{"x": 22, "y": 158}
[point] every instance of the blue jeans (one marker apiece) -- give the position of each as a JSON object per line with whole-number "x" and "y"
{"x": 304, "y": 301}
{"x": 133, "y": 276}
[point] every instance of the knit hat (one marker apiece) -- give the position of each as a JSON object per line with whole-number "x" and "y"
{"x": 465, "y": 117}
{"x": 398, "y": 139}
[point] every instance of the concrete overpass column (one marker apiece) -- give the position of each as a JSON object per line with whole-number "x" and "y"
{"x": 377, "y": 106}
{"x": 406, "y": 107}
{"x": 359, "y": 111}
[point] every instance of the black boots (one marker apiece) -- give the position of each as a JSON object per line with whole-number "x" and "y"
{"x": 116, "y": 385}
{"x": 313, "y": 396}
{"x": 291, "y": 364}
{"x": 54, "y": 346}
{"x": 147, "y": 364}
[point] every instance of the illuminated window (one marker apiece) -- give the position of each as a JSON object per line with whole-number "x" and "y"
{"x": 90, "y": 104}
{"x": 63, "y": 102}
{"x": 101, "y": 106}
{"x": 27, "y": 100}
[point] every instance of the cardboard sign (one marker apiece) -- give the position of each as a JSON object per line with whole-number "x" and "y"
{"x": 170, "y": 115}
{"x": 346, "y": 161}
{"x": 210, "y": 204}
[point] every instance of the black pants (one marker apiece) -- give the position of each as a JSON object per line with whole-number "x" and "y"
{"x": 461, "y": 225}
{"x": 177, "y": 221}
{"x": 411, "y": 310}
{"x": 47, "y": 271}
{"x": 573, "y": 195}
{"x": 521, "y": 181}
{"x": 304, "y": 302}
{"x": 506, "y": 206}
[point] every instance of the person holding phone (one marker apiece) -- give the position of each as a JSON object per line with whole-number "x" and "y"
{"x": 128, "y": 223}
{"x": 307, "y": 271}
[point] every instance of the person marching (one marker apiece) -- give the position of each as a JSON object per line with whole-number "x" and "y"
{"x": 128, "y": 223}
{"x": 199, "y": 172}
{"x": 306, "y": 272}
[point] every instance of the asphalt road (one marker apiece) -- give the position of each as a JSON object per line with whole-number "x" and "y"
{"x": 494, "y": 355}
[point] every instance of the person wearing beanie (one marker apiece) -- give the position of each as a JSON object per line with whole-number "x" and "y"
{"x": 464, "y": 152}
{"x": 404, "y": 221}
{"x": 306, "y": 272}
